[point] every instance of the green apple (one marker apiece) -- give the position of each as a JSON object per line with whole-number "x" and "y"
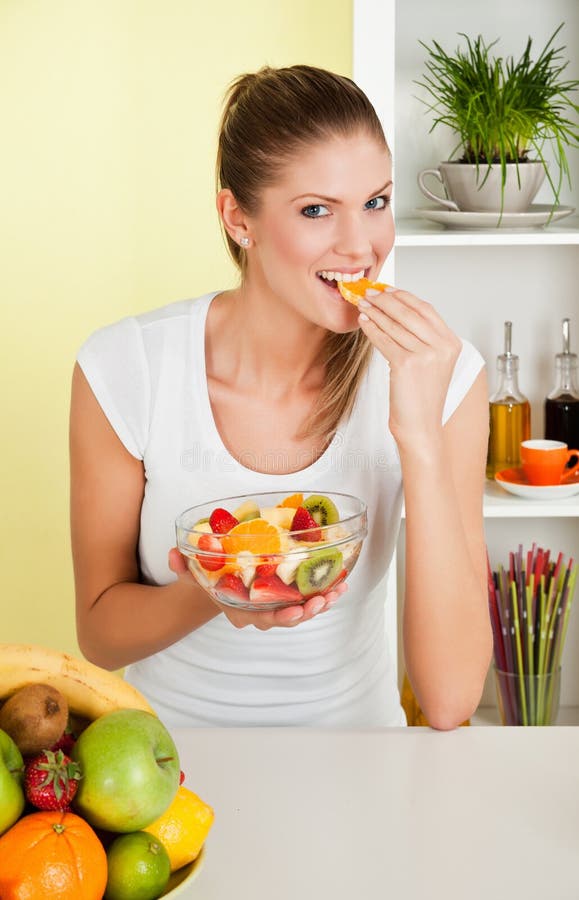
{"x": 11, "y": 778}
{"x": 130, "y": 770}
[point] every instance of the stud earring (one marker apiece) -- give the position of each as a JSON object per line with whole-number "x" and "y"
{"x": 244, "y": 241}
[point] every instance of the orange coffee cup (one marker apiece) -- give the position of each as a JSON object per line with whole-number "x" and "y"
{"x": 544, "y": 461}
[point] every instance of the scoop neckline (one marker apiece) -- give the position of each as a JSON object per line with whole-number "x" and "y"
{"x": 320, "y": 465}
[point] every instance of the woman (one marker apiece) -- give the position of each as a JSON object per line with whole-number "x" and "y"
{"x": 280, "y": 384}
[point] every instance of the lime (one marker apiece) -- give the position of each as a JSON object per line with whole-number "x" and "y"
{"x": 138, "y": 867}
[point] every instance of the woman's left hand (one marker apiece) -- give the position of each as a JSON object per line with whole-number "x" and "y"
{"x": 421, "y": 350}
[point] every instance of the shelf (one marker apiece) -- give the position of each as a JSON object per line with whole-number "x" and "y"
{"x": 421, "y": 233}
{"x": 489, "y": 715}
{"x": 498, "y": 504}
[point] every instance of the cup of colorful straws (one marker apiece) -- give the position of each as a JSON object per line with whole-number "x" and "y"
{"x": 530, "y": 602}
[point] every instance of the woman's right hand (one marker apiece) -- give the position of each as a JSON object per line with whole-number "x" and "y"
{"x": 287, "y": 617}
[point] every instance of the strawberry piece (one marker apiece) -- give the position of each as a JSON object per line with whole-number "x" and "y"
{"x": 181, "y": 776}
{"x": 230, "y": 589}
{"x": 265, "y": 569}
{"x": 270, "y": 588}
{"x": 210, "y": 544}
{"x": 51, "y": 780}
{"x": 303, "y": 520}
{"x": 65, "y": 743}
{"x": 222, "y": 521}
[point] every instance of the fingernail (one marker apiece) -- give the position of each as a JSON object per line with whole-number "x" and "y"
{"x": 364, "y": 303}
{"x": 390, "y": 289}
{"x": 317, "y": 606}
{"x": 372, "y": 292}
{"x": 363, "y": 318}
{"x": 296, "y": 617}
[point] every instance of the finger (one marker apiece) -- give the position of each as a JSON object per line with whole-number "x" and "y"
{"x": 177, "y": 562}
{"x": 392, "y": 351}
{"x": 404, "y": 324}
{"x": 422, "y": 307}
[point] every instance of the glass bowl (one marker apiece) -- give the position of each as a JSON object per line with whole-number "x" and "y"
{"x": 255, "y": 551}
{"x": 182, "y": 878}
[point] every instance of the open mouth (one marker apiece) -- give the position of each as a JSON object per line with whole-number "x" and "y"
{"x": 331, "y": 279}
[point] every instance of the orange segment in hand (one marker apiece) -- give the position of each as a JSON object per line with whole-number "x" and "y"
{"x": 256, "y": 535}
{"x": 352, "y": 291}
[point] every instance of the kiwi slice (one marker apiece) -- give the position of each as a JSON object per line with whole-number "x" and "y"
{"x": 323, "y": 510}
{"x": 316, "y": 573}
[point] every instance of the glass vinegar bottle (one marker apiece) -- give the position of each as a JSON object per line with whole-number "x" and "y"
{"x": 509, "y": 413}
{"x": 562, "y": 404}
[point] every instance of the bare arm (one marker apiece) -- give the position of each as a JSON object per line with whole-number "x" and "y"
{"x": 118, "y": 619}
{"x": 446, "y": 627}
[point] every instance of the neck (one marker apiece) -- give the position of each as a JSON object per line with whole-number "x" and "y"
{"x": 264, "y": 346}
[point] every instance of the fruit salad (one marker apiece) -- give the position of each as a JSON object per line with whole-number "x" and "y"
{"x": 272, "y": 550}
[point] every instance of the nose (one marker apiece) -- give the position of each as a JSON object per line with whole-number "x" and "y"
{"x": 353, "y": 238}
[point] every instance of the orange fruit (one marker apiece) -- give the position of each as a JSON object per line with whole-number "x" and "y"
{"x": 256, "y": 535}
{"x": 352, "y": 291}
{"x": 52, "y": 854}
{"x": 183, "y": 827}
{"x": 293, "y": 501}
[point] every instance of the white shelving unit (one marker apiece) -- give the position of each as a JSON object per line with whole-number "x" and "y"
{"x": 479, "y": 278}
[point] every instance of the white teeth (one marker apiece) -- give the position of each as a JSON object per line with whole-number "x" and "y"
{"x": 342, "y": 276}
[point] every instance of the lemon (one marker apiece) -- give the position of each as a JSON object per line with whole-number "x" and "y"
{"x": 138, "y": 867}
{"x": 183, "y": 827}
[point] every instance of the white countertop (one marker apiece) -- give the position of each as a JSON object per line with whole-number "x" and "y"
{"x": 307, "y": 814}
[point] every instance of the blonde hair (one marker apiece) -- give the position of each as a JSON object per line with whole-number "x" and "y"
{"x": 268, "y": 117}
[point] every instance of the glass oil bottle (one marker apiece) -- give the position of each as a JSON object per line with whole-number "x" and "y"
{"x": 562, "y": 404}
{"x": 509, "y": 412}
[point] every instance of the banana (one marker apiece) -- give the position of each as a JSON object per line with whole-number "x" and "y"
{"x": 89, "y": 690}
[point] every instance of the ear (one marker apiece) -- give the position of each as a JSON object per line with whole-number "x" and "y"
{"x": 234, "y": 219}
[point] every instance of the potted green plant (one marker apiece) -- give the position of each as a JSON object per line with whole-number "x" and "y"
{"x": 505, "y": 114}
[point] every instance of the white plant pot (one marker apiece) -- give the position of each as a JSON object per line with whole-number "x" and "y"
{"x": 471, "y": 188}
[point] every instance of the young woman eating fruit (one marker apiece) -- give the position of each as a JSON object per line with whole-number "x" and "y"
{"x": 282, "y": 384}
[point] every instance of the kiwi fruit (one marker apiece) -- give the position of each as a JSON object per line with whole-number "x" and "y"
{"x": 317, "y": 573}
{"x": 35, "y": 717}
{"x": 322, "y": 509}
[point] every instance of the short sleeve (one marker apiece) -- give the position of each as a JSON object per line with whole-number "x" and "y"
{"x": 466, "y": 369}
{"x": 114, "y": 363}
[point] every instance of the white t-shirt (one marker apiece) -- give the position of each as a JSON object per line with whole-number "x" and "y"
{"x": 148, "y": 374}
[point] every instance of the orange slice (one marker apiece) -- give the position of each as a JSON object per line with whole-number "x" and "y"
{"x": 352, "y": 291}
{"x": 293, "y": 501}
{"x": 256, "y": 535}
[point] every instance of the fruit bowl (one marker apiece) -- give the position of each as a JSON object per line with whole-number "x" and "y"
{"x": 271, "y": 550}
{"x": 182, "y": 878}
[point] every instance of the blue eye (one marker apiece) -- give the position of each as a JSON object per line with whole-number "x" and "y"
{"x": 315, "y": 211}
{"x": 378, "y": 202}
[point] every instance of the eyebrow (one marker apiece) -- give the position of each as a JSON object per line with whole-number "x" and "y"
{"x": 334, "y": 200}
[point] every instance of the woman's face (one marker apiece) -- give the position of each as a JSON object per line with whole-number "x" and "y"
{"x": 328, "y": 212}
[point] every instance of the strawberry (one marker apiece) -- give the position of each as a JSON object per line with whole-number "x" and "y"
{"x": 51, "y": 780}
{"x": 269, "y": 588}
{"x": 222, "y": 521}
{"x": 231, "y": 590}
{"x": 210, "y": 544}
{"x": 265, "y": 569}
{"x": 303, "y": 520}
{"x": 181, "y": 776}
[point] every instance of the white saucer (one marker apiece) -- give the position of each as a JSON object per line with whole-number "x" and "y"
{"x": 538, "y": 214}
{"x": 514, "y": 481}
